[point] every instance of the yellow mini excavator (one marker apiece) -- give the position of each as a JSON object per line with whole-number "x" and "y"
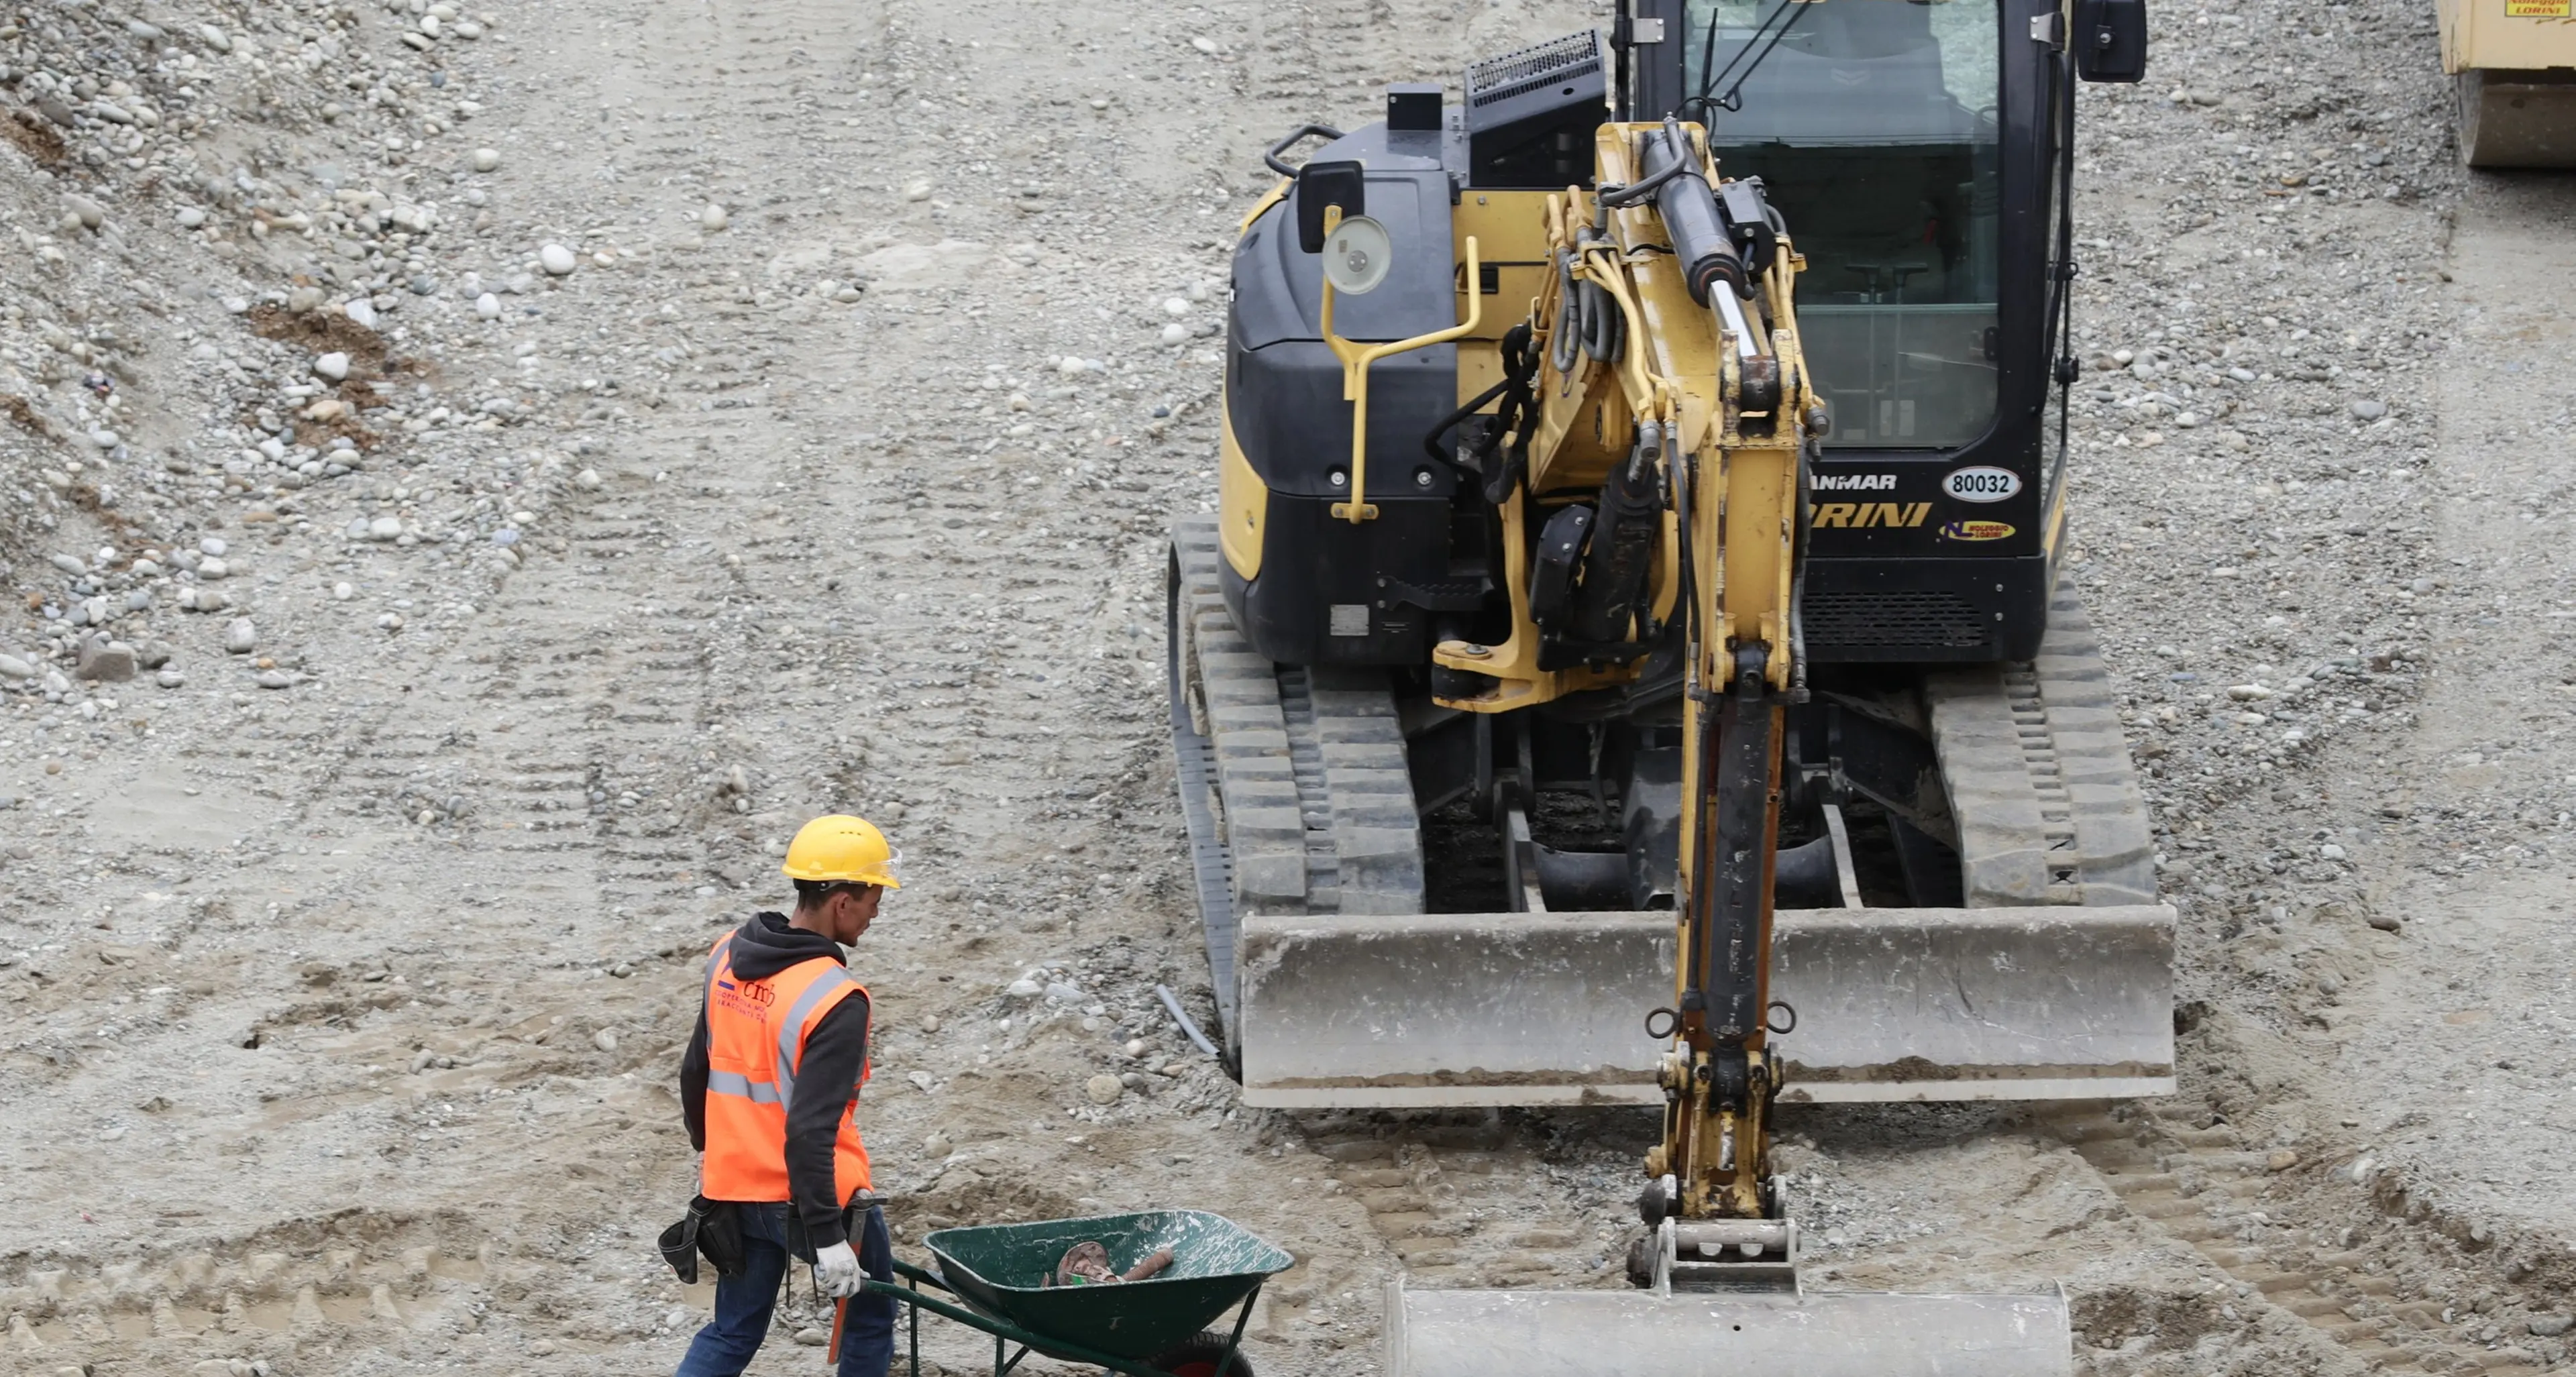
{"x": 1643, "y": 530}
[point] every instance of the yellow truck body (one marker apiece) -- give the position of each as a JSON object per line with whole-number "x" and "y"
{"x": 2512, "y": 65}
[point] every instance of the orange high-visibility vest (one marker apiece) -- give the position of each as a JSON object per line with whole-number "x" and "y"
{"x": 756, "y": 1032}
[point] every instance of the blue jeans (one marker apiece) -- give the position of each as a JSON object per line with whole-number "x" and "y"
{"x": 743, "y": 1303}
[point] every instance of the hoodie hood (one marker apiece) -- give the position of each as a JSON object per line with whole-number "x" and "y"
{"x": 765, "y": 945}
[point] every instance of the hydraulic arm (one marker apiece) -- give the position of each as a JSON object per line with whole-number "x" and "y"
{"x": 1664, "y": 470}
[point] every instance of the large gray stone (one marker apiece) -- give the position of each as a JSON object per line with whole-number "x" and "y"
{"x": 106, "y": 661}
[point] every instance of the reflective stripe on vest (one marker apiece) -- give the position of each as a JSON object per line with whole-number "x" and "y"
{"x": 753, "y": 1050}
{"x": 791, "y": 1029}
{"x": 736, "y": 1083}
{"x": 732, "y": 1082}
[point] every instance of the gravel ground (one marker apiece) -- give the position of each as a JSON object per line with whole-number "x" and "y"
{"x": 478, "y": 480}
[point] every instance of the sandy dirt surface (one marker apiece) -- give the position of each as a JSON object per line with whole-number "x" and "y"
{"x": 784, "y": 421}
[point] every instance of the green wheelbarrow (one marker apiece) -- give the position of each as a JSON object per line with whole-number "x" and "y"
{"x": 1004, "y": 1276}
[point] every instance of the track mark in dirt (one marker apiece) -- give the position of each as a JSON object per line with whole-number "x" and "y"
{"x": 580, "y": 786}
{"x": 1468, "y": 1205}
{"x": 348, "y": 1275}
{"x": 2201, "y": 1186}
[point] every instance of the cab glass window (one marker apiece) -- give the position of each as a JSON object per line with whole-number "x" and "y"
{"x": 1873, "y": 126}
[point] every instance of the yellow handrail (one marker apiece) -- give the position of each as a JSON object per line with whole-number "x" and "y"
{"x": 1356, "y": 359}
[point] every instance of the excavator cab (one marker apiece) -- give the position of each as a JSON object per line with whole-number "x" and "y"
{"x": 1919, "y": 154}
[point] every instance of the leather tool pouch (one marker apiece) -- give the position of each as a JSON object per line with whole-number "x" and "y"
{"x": 712, "y": 1229}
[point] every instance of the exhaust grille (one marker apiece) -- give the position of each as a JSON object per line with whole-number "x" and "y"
{"x": 1893, "y": 621}
{"x": 1531, "y": 113}
{"x": 1530, "y": 69}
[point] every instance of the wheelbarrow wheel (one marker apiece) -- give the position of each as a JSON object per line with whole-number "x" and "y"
{"x": 1198, "y": 1356}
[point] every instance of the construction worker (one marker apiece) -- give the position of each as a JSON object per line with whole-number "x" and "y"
{"x": 769, "y": 1086}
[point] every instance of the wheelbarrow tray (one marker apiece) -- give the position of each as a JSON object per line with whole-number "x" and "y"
{"x": 1003, "y": 1271}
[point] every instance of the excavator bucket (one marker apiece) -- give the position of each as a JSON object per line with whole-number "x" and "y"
{"x": 1724, "y": 1334}
{"x": 1422, "y": 1011}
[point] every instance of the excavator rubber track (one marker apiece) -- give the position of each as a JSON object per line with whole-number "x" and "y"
{"x": 2047, "y": 806}
{"x": 2053, "y": 981}
{"x": 1293, "y": 781}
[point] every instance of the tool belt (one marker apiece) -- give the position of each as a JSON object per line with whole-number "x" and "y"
{"x": 712, "y": 1229}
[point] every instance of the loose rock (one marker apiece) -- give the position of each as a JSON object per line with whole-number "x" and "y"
{"x": 108, "y": 662}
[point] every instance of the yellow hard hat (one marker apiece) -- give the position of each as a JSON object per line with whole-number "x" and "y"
{"x": 842, "y": 848}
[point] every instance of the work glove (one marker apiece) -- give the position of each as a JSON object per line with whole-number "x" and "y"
{"x": 836, "y": 1271}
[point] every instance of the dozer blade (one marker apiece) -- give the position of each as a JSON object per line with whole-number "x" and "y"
{"x": 1723, "y": 1334}
{"x": 1426, "y": 1011}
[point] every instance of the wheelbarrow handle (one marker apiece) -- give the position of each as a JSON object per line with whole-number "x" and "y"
{"x": 906, "y": 1269}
